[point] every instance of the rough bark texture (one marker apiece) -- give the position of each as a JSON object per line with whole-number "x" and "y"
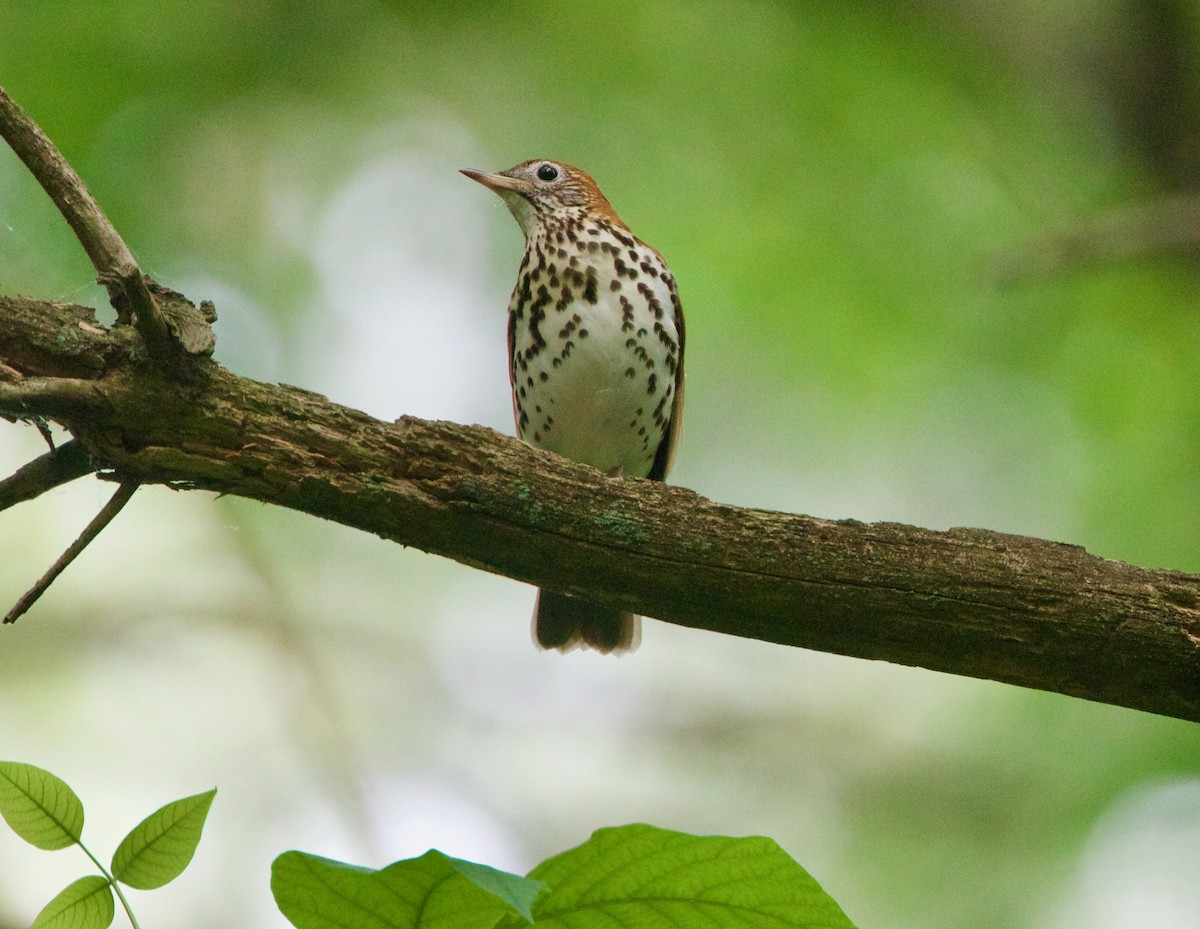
{"x": 967, "y": 601}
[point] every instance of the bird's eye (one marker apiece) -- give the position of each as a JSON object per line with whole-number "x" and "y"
{"x": 547, "y": 173}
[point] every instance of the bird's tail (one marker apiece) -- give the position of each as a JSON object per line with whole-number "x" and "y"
{"x": 563, "y": 622}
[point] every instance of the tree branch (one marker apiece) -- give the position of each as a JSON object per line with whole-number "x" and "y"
{"x": 1134, "y": 230}
{"x": 64, "y": 464}
{"x": 47, "y": 396}
{"x": 112, "y": 259}
{"x": 967, "y": 601}
{"x": 106, "y": 515}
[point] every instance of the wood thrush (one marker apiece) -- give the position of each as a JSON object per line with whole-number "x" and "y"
{"x": 595, "y": 356}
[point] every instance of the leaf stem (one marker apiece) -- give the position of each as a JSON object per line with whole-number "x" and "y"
{"x": 112, "y": 882}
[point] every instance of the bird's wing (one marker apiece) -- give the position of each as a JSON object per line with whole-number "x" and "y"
{"x": 666, "y": 448}
{"x": 512, "y": 364}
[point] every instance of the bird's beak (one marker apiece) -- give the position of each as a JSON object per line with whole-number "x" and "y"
{"x": 494, "y": 182}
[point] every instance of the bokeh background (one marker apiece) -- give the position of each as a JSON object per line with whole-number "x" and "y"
{"x": 939, "y": 265}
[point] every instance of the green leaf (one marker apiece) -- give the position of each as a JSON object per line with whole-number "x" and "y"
{"x": 431, "y": 892}
{"x": 159, "y": 847}
{"x": 39, "y": 807}
{"x": 86, "y": 904}
{"x": 640, "y": 876}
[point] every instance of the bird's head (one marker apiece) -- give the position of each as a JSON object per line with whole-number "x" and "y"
{"x": 538, "y": 191}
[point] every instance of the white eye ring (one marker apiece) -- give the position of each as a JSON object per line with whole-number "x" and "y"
{"x": 547, "y": 173}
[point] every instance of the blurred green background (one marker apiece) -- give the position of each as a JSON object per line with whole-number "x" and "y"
{"x": 937, "y": 268}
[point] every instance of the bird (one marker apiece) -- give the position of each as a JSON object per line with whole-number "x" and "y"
{"x": 595, "y": 357}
